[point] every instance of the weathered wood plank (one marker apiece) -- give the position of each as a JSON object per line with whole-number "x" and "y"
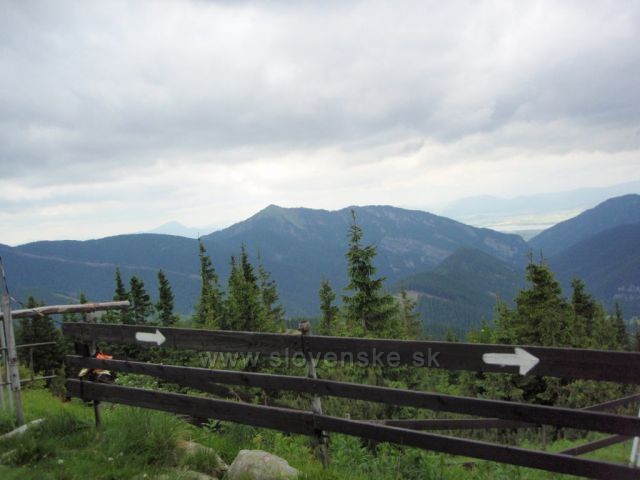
{"x": 618, "y": 402}
{"x": 471, "y": 448}
{"x": 305, "y": 422}
{"x": 556, "y": 362}
{"x": 482, "y": 423}
{"x": 538, "y": 414}
{"x": 595, "y": 445}
{"x": 287, "y": 420}
{"x": 190, "y": 339}
{"x": 79, "y": 308}
{"x": 453, "y": 423}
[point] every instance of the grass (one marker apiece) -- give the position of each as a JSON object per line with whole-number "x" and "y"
{"x": 133, "y": 442}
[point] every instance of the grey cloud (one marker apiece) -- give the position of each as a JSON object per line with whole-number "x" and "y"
{"x": 127, "y": 83}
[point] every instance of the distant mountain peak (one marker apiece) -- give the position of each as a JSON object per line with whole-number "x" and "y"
{"x": 272, "y": 208}
{"x": 174, "y": 227}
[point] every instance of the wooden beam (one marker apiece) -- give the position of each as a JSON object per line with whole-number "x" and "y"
{"x": 482, "y": 423}
{"x": 621, "y": 367}
{"x": 190, "y": 339}
{"x": 618, "y": 402}
{"x": 453, "y": 423}
{"x": 78, "y": 308}
{"x": 522, "y": 412}
{"x": 286, "y": 420}
{"x": 306, "y": 423}
{"x": 472, "y": 448}
{"x": 596, "y": 445}
{"x": 554, "y": 362}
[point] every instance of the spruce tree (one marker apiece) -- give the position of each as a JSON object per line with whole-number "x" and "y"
{"x": 210, "y": 309}
{"x": 622, "y": 336}
{"x": 164, "y": 307}
{"x": 141, "y": 306}
{"x": 272, "y": 309}
{"x": 37, "y": 329}
{"x": 120, "y": 295}
{"x": 450, "y": 336}
{"x": 542, "y": 314}
{"x": 369, "y": 310}
{"x": 74, "y": 317}
{"x": 584, "y": 309}
{"x": 329, "y": 319}
{"x": 244, "y": 305}
{"x": 410, "y": 319}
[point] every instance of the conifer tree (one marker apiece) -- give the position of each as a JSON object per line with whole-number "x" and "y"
{"x": 369, "y": 310}
{"x": 36, "y": 329}
{"x": 164, "y": 307}
{"x": 210, "y": 309}
{"x": 120, "y": 295}
{"x": 620, "y": 327}
{"x": 329, "y": 320}
{"x": 584, "y": 309}
{"x": 411, "y": 324}
{"x": 272, "y": 309}
{"x": 542, "y": 313}
{"x": 506, "y": 323}
{"x": 244, "y": 305}
{"x": 74, "y": 317}
{"x": 141, "y": 306}
{"x": 450, "y": 336}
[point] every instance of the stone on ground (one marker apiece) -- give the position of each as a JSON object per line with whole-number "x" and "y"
{"x": 260, "y": 465}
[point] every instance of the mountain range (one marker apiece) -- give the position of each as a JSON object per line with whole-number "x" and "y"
{"x": 455, "y": 271}
{"x": 531, "y": 212}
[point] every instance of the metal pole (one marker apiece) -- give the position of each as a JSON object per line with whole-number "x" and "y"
{"x": 3, "y": 344}
{"x": 12, "y": 354}
{"x": 2, "y": 404}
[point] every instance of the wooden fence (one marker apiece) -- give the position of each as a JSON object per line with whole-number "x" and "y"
{"x": 565, "y": 363}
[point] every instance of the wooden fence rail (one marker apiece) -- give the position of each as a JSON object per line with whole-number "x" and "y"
{"x": 623, "y": 367}
{"x": 307, "y": 423}
{"x": 200, "y": 378}
{"x": 567, "y": 363}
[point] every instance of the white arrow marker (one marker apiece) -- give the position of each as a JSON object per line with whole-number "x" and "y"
{"x": 157, "y": 338}
{"x": 521, "y": 358}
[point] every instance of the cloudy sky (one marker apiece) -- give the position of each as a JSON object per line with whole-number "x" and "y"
{"x": 120, "y": 116}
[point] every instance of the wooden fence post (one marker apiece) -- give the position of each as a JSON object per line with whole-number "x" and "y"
{"x": 316, "y": 403}
{"x": 89, "y": 350}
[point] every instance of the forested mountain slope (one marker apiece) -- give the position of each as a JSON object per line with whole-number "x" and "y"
{"x": 462, "y": 290}
{"x": 609, "y": 264}
{"x": 608, "y": 214}
{"x": 298, "y": 246}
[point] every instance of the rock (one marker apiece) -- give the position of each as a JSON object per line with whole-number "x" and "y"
{"x": 260, "y": 465}
{"x": 177, "y": 475}
{"x": 214, "y": 464}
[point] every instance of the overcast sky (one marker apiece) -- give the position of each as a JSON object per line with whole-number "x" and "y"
{"x": 120, "y": 116}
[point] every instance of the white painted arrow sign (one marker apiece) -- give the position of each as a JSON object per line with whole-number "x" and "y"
{"x": 521, "y": 358}
{"x": 157, "y": 338}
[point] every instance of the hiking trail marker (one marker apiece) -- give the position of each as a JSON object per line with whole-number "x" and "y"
{"x": 158, "y": 338}
{"x": 521, "y": 358}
